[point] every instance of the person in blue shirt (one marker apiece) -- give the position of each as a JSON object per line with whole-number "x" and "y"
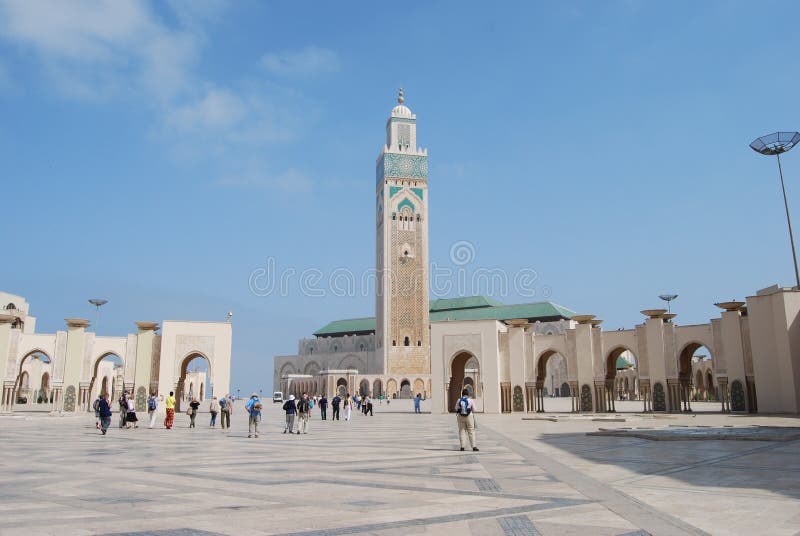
{"x": 323, "y": 407}
{"x": 104, "y": 411}
{"x": 253, "y": 409}
{"x": 417, "y": 401}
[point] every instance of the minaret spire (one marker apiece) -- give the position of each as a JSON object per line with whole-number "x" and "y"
{"x": 400, "y": 98}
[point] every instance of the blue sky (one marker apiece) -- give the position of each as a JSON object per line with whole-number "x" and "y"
{"x": 156, "y": 154}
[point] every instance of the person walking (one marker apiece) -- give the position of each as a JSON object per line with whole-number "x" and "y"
{"x": 335, "y": 403}
{"x": 194, "y": 406}
{"x": 290, "y": 407}
{"x": 130, "y": 418}
{"x": 369, "y": 407}
{"x": 253, "y": 409}
{"x": 104, "y": 411}
{"x": 323, "y": 407}
{"x": 152, "y": 406}
{"x": 96, "y": 408}
{"x": 123, "y": 408}
{"x": 225, "y": 406}
{"x": 465, "y": 415}
{"x": 303, "y": 414}
{"x": 348, "y": 407}
{"x": 169, "y": 403}
{"x": 417, "y": 402}
{"x": 213, "y": 408}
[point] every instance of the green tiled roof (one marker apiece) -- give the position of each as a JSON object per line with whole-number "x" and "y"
{"x": 351, "y": 326}
{"x": 474, "y": 308}
{"x": 531, "y": 311}
{"x": 471, "y": 302}
{"x": 622, "y": 363}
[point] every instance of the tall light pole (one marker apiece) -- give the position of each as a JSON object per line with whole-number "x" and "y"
{"x": 668, "y": 298}
{"x": 97, "y": 302}
{"x": 776, "y": 144}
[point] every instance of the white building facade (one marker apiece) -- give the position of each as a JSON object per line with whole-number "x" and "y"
{"x": 70, "y": 368}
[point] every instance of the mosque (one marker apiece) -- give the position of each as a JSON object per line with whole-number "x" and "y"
{"x": 65, "y": 371}
{"x": 512, "y": 357}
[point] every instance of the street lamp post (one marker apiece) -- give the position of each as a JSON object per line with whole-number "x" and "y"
{"x": 97, "y": 302}
{"x": 668, "y": 298}
{"x": 776, "y": 144}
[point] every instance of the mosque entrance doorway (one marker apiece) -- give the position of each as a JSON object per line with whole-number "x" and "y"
{"x": 107, "y": 377}
{"x": 341, "y": 387}
{"x": 405, "y": 390}
{"x": 35, "y": 364}
{"x": 696, "y": 391}
{"x": 464, "y": 374}
{"x": 194, "y": 374}
{"x": 621, "y": 382}
{"x": 551, "y": 383}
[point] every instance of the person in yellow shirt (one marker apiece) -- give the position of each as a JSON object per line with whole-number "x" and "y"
{"x": 170, "y": 405}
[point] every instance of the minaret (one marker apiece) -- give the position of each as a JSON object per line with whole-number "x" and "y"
{"x": 402, "y": 308}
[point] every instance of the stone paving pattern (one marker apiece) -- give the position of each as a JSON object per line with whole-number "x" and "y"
{"x": 394, "y": 474}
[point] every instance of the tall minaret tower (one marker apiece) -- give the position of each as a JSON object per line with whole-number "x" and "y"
{"x": 402, "y": 308}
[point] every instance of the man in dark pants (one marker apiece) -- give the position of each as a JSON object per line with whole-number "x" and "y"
{"x": 323, "y": 407}
{"x": 335, "y": 405}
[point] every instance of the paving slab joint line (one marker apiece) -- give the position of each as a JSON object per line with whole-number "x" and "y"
{"x": 631, "y": 509}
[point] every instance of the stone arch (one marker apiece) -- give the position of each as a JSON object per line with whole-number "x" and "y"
{"x": 32, "y": 354}
{"x": 350, "y": 361}
{"x": 341, "y": 387}
{"x": 183, "y": 368}
{"x": 363, "y": 387}
{"x": 405, "y": 389}
{"x": 615, "y": 361}
{"x": 457, "y": 366}
{"x": 94, "y": 390}
{"x": 391, "y": 387}
{"x": 419, "y": 387}
{"x": 685, "y": 378}
{"x": 312, "y": 367}
{"x": 287, "y": 368}
{"x": 377, "y": 388}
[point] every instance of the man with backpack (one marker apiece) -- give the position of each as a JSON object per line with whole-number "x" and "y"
{"x": 225, "y": 406}
{"x": 465, "y": 415}
{"x": 291, "y": 409}
{"x": 253, "y": 409}
{"x": 303, "y": 413}
{"x": 335, "y": 403}
{"x": 96, "y": 408}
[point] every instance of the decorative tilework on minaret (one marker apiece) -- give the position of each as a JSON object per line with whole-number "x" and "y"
{"x": 402, "y": 307}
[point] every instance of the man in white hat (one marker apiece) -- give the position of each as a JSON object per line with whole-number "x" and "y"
{"x": 290, "y": 407}
{"x": 253, "y": 408}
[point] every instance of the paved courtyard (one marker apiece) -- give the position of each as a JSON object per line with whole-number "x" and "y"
{"x": 397, "y": 474}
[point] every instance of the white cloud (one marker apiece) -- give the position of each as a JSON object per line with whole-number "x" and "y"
{"x": 129, "y": 50}
{"x": 290, "y": 181}
{"x": 309, "y": 61}
{"x": 94, "y": 48}
{"x": 217, "y": 109}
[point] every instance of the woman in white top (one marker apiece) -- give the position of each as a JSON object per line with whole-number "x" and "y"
{"x": 131, "y": 417}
